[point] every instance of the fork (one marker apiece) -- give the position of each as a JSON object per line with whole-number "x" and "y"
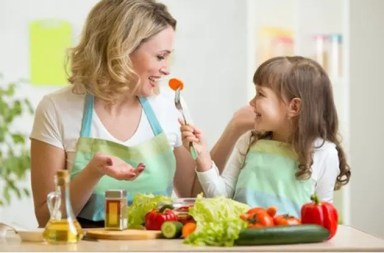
{"x": 180, "y": 108}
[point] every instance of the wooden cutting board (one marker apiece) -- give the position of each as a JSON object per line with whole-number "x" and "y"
{"x": 129, "y": 234}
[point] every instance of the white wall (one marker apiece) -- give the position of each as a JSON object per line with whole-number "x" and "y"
{"x": 367, "y": 117}
{"x": 210, "y": 56}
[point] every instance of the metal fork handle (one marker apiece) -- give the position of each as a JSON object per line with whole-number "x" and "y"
{"x": 184, "y": 118}
{"x": 192, "y": 149}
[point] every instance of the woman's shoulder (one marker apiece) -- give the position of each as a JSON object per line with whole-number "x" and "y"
{"x": 60, "y": 102}
{"x": 64, "y": 96}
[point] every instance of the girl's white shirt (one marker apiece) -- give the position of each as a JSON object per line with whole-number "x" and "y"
{"x": 58, "y": 119}
{"x": 325, "y": 170}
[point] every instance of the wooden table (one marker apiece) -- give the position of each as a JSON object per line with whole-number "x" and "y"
{"x": 346, "y": 239}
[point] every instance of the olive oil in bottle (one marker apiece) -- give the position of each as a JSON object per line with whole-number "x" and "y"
{"x": 62, "y": 226}
{"x": 63, "y": 231}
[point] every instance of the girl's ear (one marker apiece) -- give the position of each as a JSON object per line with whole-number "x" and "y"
{"x": 294, "y": 107}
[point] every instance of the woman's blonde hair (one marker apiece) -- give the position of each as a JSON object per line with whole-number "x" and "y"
{"x": 100, "y": 64}
{"x": 299, "y": 77}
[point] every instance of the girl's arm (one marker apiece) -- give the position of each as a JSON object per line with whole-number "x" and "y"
{"x": 208, "y": 173}
{"x": 215, "y": 184}
{"x": 326, "y": 169}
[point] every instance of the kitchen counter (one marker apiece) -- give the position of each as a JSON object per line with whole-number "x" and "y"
{"x": 346, "y": 239}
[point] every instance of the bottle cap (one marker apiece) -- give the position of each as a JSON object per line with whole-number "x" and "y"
{"x": 116, "y": 194}
{"x": 62, "y": 177}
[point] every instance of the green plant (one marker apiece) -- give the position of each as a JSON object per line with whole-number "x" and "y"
{"x": 14, "y": 151}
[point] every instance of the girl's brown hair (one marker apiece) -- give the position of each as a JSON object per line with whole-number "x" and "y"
{"x": 299, "y": 77}
{"x": 100, "y": 64}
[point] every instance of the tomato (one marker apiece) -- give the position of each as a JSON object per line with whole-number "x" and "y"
{"x": 286, "y": 219}
{"x": 257, "y": 217}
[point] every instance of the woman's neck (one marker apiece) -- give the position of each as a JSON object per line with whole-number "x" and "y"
{"x": 119, "y": 105}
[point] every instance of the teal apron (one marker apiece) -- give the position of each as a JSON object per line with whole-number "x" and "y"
{"x": 268, "y": 179}
{"x": 156, "y": 154}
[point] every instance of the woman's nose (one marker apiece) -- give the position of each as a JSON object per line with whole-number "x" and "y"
{"x": 164, "y": 70}
{"x": 252, "y": 102}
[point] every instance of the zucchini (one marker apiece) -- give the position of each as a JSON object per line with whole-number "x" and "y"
{"x": 304, "y": 233}
{"x": 171, "y": 229}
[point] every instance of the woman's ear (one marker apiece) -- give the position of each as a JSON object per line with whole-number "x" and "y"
{"x": 294, "y": 107}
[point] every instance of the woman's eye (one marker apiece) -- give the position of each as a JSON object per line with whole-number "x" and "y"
{"x": 160, "y": 57}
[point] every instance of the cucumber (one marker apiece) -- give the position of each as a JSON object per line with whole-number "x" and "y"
{"x": 171, "y": 229}
{"x": 304, "y": 233}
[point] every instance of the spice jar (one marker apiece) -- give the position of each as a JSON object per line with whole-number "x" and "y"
{"x": 116, "y": 210}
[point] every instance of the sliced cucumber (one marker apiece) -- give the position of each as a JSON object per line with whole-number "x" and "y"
{"x": 171, "y": 229}
{"x": 282, "y": 235}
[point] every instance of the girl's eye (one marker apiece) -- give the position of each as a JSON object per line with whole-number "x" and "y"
{"x": 260, "y": 94}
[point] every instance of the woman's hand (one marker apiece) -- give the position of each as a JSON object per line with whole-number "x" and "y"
{"x": 243, "y": 119}
{"x": 115, "y": 167}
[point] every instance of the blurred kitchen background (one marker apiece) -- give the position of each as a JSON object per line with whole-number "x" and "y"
{"x": 219, "y": 44}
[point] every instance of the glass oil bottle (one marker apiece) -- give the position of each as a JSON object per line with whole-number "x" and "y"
{"x": 62, "y": 226}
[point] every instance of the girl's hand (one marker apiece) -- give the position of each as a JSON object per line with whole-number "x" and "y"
{"x": 191, "y": 134}
{"x": 115, "y": 167}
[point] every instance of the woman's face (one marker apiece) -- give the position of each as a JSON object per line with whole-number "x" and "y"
{"x": 271, "y": 113}
{"x": 151, "y": 60}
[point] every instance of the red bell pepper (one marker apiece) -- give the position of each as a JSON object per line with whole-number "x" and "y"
{"x": 156, "y": 217}
{"x": 321, "y": 213}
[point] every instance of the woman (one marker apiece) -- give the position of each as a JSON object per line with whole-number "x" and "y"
{"x": 114, "y": 128}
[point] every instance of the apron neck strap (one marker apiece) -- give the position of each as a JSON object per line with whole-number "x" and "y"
{"x": 155, "y": 125}
{"x": 87, "y": 116}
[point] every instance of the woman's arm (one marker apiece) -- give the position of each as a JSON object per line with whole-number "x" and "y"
{"x": 185, "y": 181}
{"x": 242, "y": 121}
{"x": 46, "y": 160}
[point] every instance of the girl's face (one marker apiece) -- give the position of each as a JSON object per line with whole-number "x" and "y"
{"x": 271, "y": 113}
{"x": 150, "y": 60}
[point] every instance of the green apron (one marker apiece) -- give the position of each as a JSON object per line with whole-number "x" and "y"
{"x": 156, "y": 154}
{"x": 268, "y": 178}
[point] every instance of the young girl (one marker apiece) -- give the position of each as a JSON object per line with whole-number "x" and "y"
{"x": 293, "y": 151}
